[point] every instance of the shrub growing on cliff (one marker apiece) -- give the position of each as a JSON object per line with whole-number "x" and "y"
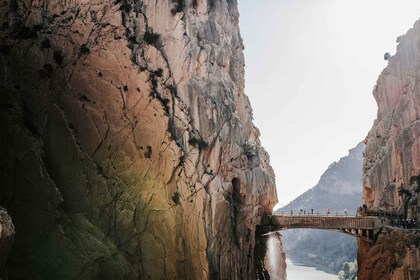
{"x": 84, "y": 49}
{"x": 158, "y": 72}
{"x": 126, "y": 7}
{"x": 348, "y": 271}
{"x": 402, "y": 191}
{"x": 415, "y": 182}
{"x": 198, "y": 142}
{"x": 179, "y": 6}
{"x": 250, "y": 149}
{"x": 150, "y": 37}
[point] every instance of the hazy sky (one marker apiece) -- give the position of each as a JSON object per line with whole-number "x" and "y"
{"x": 311, "y": 66}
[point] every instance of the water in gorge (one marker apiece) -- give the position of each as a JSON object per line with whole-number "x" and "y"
{"x": 300, "y": 272}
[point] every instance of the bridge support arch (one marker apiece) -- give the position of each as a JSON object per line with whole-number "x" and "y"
{"x": 361, "y": 227}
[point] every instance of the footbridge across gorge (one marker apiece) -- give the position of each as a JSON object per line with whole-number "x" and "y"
{"x": 364, "y": 227}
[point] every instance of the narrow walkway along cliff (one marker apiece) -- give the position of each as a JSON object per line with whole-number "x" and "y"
{"x": 127, "y": 144}
{"x": 391, "y": 180}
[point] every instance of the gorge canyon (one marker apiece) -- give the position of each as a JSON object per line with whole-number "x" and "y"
{"x": 128, "y": 149}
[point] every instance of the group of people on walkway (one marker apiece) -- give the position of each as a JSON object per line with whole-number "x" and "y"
{"x": 303, "y": 212}
{"x": 404, "y": 223}
{"x": 395, "y": 219}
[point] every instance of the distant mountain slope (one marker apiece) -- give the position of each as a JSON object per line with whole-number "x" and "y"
{"x": 339, "y": 188}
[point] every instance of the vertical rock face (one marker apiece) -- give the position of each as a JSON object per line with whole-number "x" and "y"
{"x": 392, "y": 156}
{"x": 127, "y": 147}
{"x": 7, "y": 234}
{"x": 395, "y": 256}
{"x": 391, "y": 182}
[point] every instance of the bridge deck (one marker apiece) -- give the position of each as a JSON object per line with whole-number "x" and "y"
{"x": 361, "y": 227}
{"x": 323, "y": 222}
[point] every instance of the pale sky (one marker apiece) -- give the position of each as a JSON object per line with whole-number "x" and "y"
{"x": 311, "y": 66}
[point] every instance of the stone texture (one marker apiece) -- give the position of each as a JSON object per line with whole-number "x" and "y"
{"x": 392, "y": 156}
{"x": 127, "y": 146}
{"x": 7, "y": 235}
{"x": 394, "y": 256}
{"x": 391, "y": 175}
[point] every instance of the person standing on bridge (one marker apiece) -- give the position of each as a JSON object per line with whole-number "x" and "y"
{"x": 312, "y": 211}
{"x": 345, "y": 211}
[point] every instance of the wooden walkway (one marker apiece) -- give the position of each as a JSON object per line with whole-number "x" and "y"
{"x": 361, "y": 227}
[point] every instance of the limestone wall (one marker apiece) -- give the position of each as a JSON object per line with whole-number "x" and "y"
{"x": 391, "y": 171}
{"x": 127, "y": 145}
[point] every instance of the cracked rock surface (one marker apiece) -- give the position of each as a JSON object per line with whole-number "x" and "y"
{"x": 127, "y": 145}
{"x": 392, "y": 156}
{"x": 7, "y": 234}
{"x": 391, "y": 169}
{"x": 394, "y": 256}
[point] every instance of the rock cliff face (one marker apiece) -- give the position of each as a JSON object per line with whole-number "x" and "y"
{"x": 395, "y": 256}
{"x": 7, "y": 234}
{"x": 392, "y": 156}
{"x": 391, "y": 181}
{"x": 127, "y": 147}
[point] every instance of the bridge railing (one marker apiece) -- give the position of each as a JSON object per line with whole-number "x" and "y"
{"x": 326, "y": 222}
{"x": 332, "y": 213}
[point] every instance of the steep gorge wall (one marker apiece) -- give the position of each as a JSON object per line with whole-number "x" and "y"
{"x": 391, "y": 180}
{"x": 7, "y": 234}
{"x": 127, "y": 145}
{"x": 392, "y": 155}
{"x": 394, "y": 256}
